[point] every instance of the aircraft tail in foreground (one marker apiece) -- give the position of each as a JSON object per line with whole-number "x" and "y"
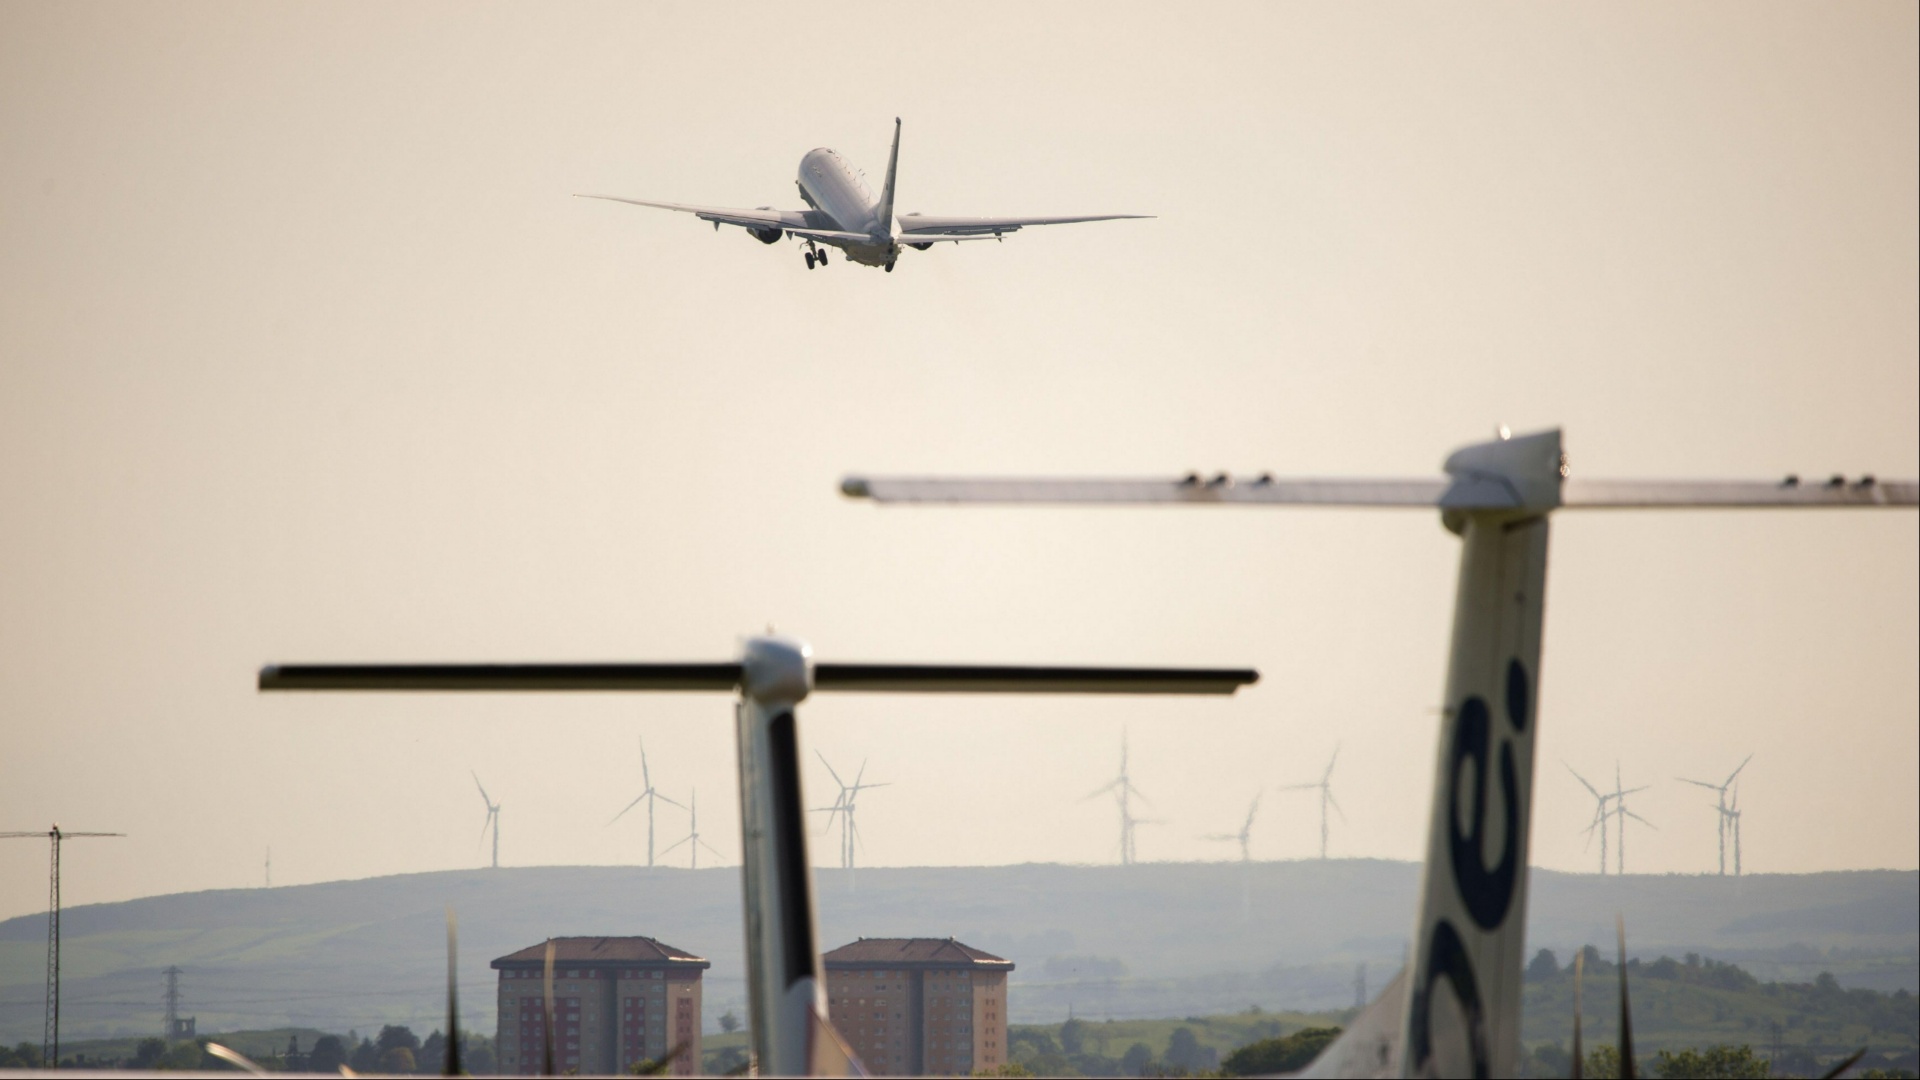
{"x": 1455, "y": 1011}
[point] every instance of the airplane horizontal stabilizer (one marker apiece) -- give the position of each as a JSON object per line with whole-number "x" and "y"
{"x": 865, "y": 678}
{"x": 1468, "y": 493}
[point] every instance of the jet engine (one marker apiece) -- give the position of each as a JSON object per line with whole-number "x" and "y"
{"x": 768, "y": 235}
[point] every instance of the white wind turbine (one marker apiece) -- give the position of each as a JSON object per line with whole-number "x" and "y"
{"x": 843, "y": 807}
{"x": 692, "y": 839}
{"x": 1600, "y": 812}
{"x": 1325, "y": 786}
{"x": 1620, "y": 816}
{"x": 1124, "y": 793}
{"x": 493, "y": 818}
{"x": 650, "y": 794}
{"x": 1726, "y": 815}
{"x": 1246, "y": 858}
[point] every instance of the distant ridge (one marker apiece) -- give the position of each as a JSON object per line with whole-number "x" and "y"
{"x": 356, "y": 954}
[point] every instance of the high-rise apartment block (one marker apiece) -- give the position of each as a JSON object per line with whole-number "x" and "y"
{"x": 617, "y": 1001}
{"x": 914, "y": 1006}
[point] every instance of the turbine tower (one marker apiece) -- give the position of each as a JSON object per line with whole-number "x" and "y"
{"x": 50, "y": 1034}
{"x": 493, "y": 818}
{"x": 1246, "y": 858}
{"x": 843, "y": 807}
{"x": 1724, "y": 816}
{"x": 650, "y": 794}
{"x": 1620, "y": 816}
{"x": 1325, "y": 786}
{"x": 692, "y": 839}
{"x": 1124, "y": 793}
{"x": 1599, "y": 816}
{"x": 1730, "y": 823}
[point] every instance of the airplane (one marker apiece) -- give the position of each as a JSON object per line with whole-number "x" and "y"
{"x": 1454, "y": 1010}
{"x": 842, "y": 212}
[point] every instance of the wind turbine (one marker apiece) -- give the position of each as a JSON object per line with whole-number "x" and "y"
{"x": 1620, "y": 816}
{"x": 493, "y": 818}
{"x": 843, "y": 806}
{"x": 1599, "y": 816}
{"x": 50, "y": 1036}
{"x": 692, "y": 839}
{"x": 1724, "y": 817}
{"x": 1730, "y": 822}
{"x": 1124, "y": 791}
{"x": 1246, "y": 858}
{"x": 649, "y": 794}
{"x": 1325, "y": 786}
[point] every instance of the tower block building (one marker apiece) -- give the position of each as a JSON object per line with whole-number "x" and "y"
{"x": 918, "y": 1006}
{"x": 617, "y": 1001}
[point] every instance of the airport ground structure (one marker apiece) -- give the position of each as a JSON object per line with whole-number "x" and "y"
{"x": 617, "y": 1002}
{"x": 919, "y": 1006}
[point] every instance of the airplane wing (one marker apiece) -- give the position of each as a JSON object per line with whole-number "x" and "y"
{"x": 762, "y": 218}
{"x": 920, "y": 228}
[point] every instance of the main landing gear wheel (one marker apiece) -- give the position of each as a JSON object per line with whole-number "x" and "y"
{"x": 809, "y": 260}
{"x": 822, "y": 256}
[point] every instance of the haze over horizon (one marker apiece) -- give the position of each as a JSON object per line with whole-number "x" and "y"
{"x": 307, "y": 353}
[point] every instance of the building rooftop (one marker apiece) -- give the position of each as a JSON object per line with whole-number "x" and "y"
{"x": 602, "y": 950}
{"x": 945, "y": 952}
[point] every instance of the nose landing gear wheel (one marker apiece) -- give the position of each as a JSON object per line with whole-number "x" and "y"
{"x": 889, "y": 266}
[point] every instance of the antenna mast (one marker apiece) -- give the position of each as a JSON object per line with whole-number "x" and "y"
{"x": 50, "y": 1033}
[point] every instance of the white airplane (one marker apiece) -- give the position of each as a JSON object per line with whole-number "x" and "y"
{"x": 843, "y": 213}
{"x": 1455, "y": 1009}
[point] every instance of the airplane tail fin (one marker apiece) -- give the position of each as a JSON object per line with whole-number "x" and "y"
{"x": 1473, "y": 894}
{"x": 885, "y": 210}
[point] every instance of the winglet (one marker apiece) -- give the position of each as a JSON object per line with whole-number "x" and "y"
{"x": 885, "y": 210}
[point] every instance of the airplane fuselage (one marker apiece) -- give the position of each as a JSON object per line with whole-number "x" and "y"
{"x": 834, "y": 190}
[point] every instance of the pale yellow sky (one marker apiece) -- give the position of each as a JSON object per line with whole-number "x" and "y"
{"x": 307, "y": 353}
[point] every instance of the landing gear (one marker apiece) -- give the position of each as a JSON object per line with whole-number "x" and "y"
{"x": 889, "y": 266}
{"x": 809, "y": 260}
{"x": 822, "y": 256}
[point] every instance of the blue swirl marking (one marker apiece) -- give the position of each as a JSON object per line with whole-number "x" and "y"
{"x": 1447, "y": 956}
{"x": 1487, "y": 894}
{"x": 1519, "y": 696}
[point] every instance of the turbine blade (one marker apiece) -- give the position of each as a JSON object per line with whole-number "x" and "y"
{"x": 1702, "y": 783}
{"x": 1336, "y": 805}
{"x": 713, "y": 849}
{"x": 1638, "y": 818}
{"x": 1325, "y": 776}
{"x": 675, "y": 844}
{"x": 670, "y": 801}
{"x": 1736, "y": 772}
{"x": 1096, "y": 794}
{"x": 646, "y": 779}
{"x": 830, "y": 772}
{"x": 629, "y": 806}
{"x": 1583, "y": 781}
{"x": 857, "y": 777}
{"x": 484, "y": 797}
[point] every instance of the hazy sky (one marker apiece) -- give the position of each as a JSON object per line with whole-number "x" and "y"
{"x": 307, "y": 352}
